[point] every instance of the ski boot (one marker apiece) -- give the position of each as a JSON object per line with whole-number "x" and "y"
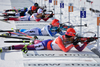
{"x": 6, "y": 34}
{"x": 3, "y": 49}
{"x": 0, "y": 50}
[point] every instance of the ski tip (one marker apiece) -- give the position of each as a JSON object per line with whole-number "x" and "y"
{"x": 4, "y": 13}
{"x": 4, "y": 20}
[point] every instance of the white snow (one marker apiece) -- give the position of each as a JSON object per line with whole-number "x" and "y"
{"x": 15, "y": 58}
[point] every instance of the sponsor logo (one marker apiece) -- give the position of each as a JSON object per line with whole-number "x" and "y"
{"x": 40, "y": 54}
{"x": 45, "y": 64}
{"x": 61, "y": 64}
{"x": 75, "y": 55}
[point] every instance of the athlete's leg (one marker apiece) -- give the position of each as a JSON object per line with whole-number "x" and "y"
{"x": 15, "y": 19}
{"x": 24, "y": 18}
{"x": 37, "y": 20}
{"x": 34, "y": 31}
{"x": 45, "y": 19}
{"x": 18, "y": 47}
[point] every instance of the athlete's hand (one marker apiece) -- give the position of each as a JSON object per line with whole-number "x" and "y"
{"x": 58, "y": 30}
{"x": 76, "y": 41}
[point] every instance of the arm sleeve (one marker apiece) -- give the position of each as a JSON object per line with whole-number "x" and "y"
{"x": 82, "y": 47}
{"x": 61, "y": 45}
{"x": 61, "y": 33}
{"x": 30, "y": 8}
{"x": 49, "y": 31}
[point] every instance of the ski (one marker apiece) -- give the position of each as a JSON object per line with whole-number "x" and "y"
{"x": 16, "y": 41}
{"x": 2, "y": 16}
{"x": 14, "y": 30}
{"x": 23, "y": 38}
{"x": 4, "y": 20}
{"x": 20, "y": 34}
{"x": 6, "y": 30}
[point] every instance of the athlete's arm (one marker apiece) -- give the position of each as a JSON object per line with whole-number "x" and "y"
{"x": 61, "y": 45}
{"x": 49, "y": 31}
{"x": 82, "y": 47}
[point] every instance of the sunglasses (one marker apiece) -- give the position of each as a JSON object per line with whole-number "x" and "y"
{"x": 68, "y": 36}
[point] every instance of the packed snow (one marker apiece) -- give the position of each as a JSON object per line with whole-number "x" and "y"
{"x": 90, "y": 20}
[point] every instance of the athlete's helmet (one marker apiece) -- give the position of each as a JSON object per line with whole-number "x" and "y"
{"x": 36, "y": 4}
{"x": 22, "y": 30}
{"x": 70, "y": 32}
{"x": 55, "y": 22}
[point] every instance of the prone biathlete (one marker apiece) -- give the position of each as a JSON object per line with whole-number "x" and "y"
{"x": 22, "y": 12}
{"x": 48, "y": 30}
{"x": 64, "y": 43}
{"x": 34, "y": 17}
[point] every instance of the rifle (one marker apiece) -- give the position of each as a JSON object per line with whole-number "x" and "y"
{"x": 64, "y": 27}
{"x": 86, "y": 39}
{"x": 72, "y": 26}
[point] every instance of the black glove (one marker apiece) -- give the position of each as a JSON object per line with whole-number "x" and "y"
{"x": 62, "y": 25}
{"x": 35, "y": 37}
{"x": 58, "y": 30}
{"x": 77, "y": 40}
{"x": 42, "y": 17}
{"x": 30, "y": 12}
{"x": 50, "y": 16}
{"x": 44, "y": 10}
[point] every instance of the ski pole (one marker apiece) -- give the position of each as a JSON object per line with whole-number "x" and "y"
{"x": 16, "y": 41}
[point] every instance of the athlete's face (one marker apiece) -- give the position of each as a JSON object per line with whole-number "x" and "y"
{"x": 68, "y": 38}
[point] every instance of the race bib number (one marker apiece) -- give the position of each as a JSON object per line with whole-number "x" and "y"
{"x": 39, "y": 46}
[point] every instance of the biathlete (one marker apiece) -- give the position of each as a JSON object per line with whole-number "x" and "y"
{"x": 33, "y": 9}
{"x": 41, "y": 14}
{"x": 18, "y": 13}
{"x": 64, "y": 43}
{"x": 22, "y": 12}
{"x": 48, "y": 30}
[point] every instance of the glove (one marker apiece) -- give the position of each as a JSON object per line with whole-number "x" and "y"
{"x": 62, "y": 25}
{"x": 50, "y": 16}
{"x": 44, "y": 10}
{"x": 35, "y": 37}
{"x": 76, "y": 41}
{"x": 30, "y": 12}
{"x": 42, "y": 17}
{"x": 58, "y": 30}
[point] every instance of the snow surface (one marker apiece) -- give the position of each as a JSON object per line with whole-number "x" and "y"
{"x": 90, "y": 20}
